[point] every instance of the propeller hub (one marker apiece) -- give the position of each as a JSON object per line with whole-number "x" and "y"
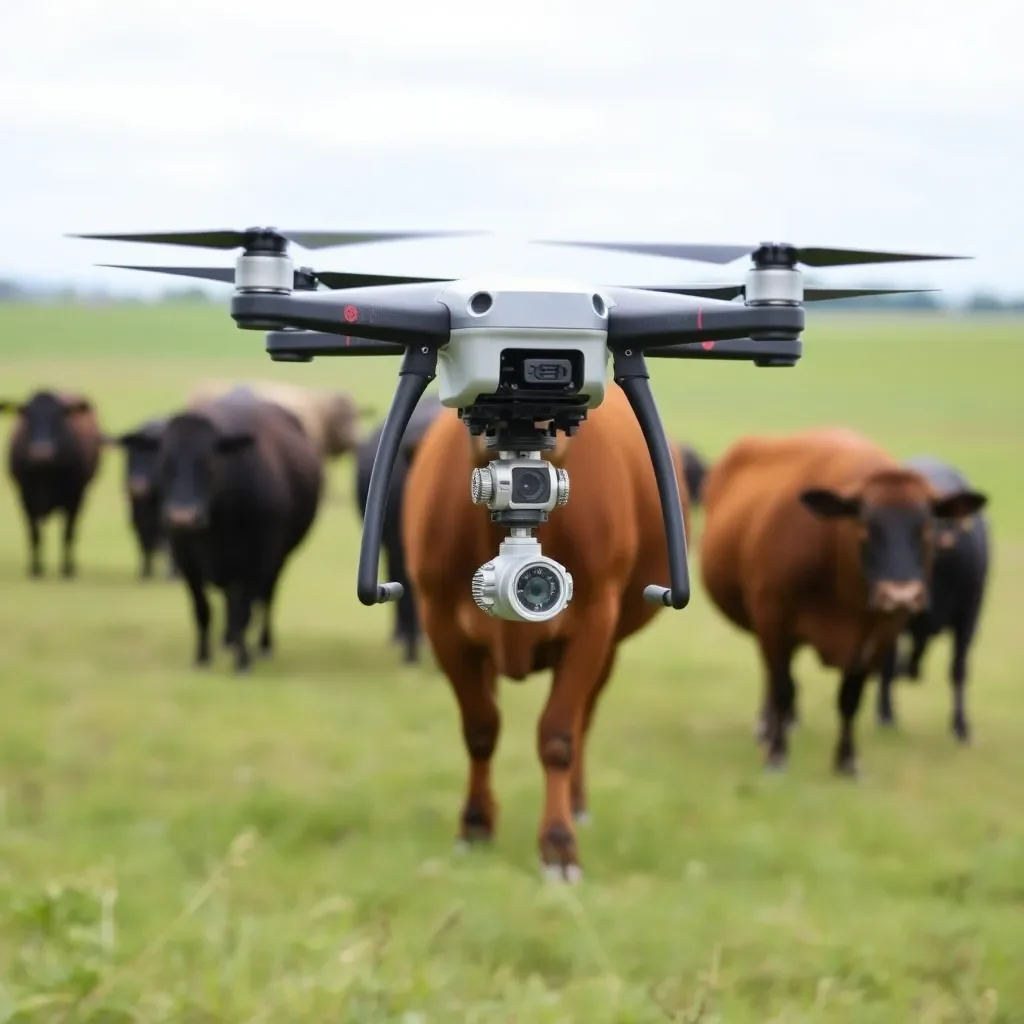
{"x": 264, "y": 242}
{"x": 775, "y": 255}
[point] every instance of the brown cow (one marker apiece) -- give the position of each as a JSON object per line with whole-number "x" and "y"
{"x": 820, "y": 538}
{"x": 609, "y": 536}
{"x": 54, "y": 453}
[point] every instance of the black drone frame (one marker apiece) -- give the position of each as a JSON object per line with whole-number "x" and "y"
{"x": 375, "y": 315}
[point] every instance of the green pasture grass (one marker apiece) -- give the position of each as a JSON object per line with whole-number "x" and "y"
{"x": 191, "y": 846}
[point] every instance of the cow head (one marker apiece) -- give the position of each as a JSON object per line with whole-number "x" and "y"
{"x": 141, "y": 447}
{"x": 342, "y": 431}
{"x": 47, "y": 428}
{"x": 897, "y": 515}
{"x": 190, "y": 458}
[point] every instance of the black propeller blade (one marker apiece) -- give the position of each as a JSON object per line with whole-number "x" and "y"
{"x": 329, "y": 278}
{"x": 809, "y": 256}
{"x": 811, "y": 293}
{"x": 230, "y": 239}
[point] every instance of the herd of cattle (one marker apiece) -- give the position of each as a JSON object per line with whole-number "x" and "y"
{"x": 818, "y": 538}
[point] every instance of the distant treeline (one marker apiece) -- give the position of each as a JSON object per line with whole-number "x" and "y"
{"x": 977, "y": 302}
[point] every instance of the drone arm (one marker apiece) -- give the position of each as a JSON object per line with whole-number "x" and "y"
{"x": 418, "y": 369}
{"x": 630, "y": 373}
{"x": 406, "y": 314}
{"x": 735, "y": 349}
{"x": 652, "y": 320}
{"x": 305, "y": 345}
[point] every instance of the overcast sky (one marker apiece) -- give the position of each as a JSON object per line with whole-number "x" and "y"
{"x": 876, "y": 124}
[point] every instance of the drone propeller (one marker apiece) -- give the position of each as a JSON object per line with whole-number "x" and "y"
{"x": 777, "y": 252}
{"x": 230, "y": 239}
{"x": 330, "y": 278}
{"x": 811, "y": 294}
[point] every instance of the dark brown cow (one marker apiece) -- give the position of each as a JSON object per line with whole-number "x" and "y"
{"x": 820, "y": 538}
{"x": 609, "y": 536}
{"x": 53, "y": 456}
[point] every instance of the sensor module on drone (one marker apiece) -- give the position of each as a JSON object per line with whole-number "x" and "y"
{"x": 511, "y": 355}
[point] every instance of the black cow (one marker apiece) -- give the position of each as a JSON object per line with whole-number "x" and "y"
{"x": 143, "y": 496}
{"x": 694, "y": 469}
{"x": 960, "y": 573}
{"x": 407, "y": 628}
{"x": 53, "y": 456}
{"x": 240, "y": 486}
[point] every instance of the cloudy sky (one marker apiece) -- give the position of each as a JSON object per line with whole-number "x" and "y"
{"x": 877, "y": 124}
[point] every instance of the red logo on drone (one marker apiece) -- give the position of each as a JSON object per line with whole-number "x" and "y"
{"x": 351, "y": 314}
{"x": 707, "y": 345}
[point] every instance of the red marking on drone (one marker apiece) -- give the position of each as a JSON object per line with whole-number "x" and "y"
{"x": 700, "y": 318}
{"x": 707, "y": 345}
{"x": 351, "y": 314}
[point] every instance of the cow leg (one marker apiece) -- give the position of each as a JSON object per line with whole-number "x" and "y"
{"x": 201, "y": 614}
{"x": 850, "y": 692}
{"x": 560, "y": 734}
{"x": 146, "y": 564}
{"x": 886, "y": 675}
{"x": 578, "y": 781}
{"x": 239, "y": 602}
{"x": 35, "y": 542}
{"x": 474, "y": 682}
{"x": 406, "y": 630}
{"x": 68, "y": 569}
{"x": 920, "y": 644}
{"x": 963, "y": 634}
{"x": 780, "y": 691}
{"x": 266, "y": 642}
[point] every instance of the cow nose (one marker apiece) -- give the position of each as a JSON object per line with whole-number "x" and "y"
{"x": 947, "y": 539}
{"x": 39, "y": 451}
{"x": 183, "y": 516}
{"x": 906, "y": 596}
{"x": 138, "y": 486}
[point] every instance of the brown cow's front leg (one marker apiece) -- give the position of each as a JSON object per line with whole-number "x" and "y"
{"x": 780, "y": 689}
{"x": 471, "y": 674}
{"x": 578, "y": 782}
{"x": 850, "y": 692}
{"x": 560, "y": 736}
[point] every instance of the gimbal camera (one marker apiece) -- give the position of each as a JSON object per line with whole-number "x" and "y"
{"x": 520, "y": 360}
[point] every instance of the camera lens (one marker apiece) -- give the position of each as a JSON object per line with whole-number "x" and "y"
{"x": 538, "y": 588}
{"x": 531, "y": 485}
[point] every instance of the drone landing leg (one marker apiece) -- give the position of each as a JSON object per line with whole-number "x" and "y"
{"x": 419, "y": 366}
{"x": 630, "y": 373}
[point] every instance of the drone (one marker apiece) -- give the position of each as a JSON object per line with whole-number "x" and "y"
{"x": 521, "y": 360}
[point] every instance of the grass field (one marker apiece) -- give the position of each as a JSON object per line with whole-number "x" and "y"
{"x": 183, "y": 846}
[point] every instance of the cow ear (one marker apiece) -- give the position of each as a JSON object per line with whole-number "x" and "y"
{"x": 959, "y": 505}
{"x": 829, "y": 505}
{"x": 230, "y": 443}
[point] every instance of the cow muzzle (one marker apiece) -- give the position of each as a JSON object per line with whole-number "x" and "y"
{"x": 908, "y": 596}
{"x": 138, "y": 486}
{"x": 41, "y": 451}
{"x": 183, "y": 517}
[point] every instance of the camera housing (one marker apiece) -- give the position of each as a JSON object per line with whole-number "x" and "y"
{"x": 519, "y": 484}
{"x": 521, "y": 584}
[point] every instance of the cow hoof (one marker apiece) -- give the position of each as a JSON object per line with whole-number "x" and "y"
{"x": 562, "y": 874}
{"x": 776, "y": 763}
{"x": 36, "y": 572}
{"x": 886, "y": 722}
{"x": 848, "y": 768}
{"x": 962, "y": 732}
{"x": 582, "y": 817}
